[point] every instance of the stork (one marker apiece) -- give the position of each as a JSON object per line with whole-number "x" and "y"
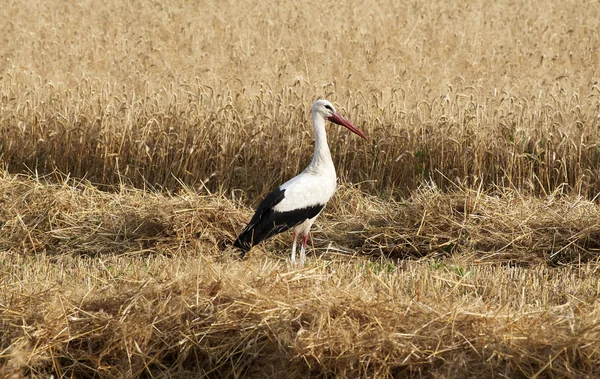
{"x": 296, "y": 203}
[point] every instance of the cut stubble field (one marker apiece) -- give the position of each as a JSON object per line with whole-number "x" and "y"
{"x": 463, "y": 239}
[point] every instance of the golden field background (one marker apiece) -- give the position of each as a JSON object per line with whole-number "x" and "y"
{"x": 135, "y": 137}
{"x": 157, "y": 93}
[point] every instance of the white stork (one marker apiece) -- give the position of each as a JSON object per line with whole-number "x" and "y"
{"x": 296, "y": 203}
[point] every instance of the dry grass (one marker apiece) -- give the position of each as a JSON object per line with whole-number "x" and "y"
{"x": 134, "y": 283}
{"x": 467, "y": 245}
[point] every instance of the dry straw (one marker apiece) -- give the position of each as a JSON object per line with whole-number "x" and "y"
{"x": 467, "y": 245}
{"x": 134, "y": 283}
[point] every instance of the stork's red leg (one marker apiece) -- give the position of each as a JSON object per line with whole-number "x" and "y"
{"x": 293, "y": 260}
{"x": 303, "y": 250}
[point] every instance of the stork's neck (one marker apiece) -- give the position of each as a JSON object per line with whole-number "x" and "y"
{"x": 321, "y": 161}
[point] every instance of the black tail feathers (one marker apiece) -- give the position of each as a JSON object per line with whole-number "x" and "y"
{"x": 243, "y": 244}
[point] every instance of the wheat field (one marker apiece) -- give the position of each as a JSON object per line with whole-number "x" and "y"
{"x": 135, "y": 138}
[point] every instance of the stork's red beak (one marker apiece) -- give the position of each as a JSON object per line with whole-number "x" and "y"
{"x": 337, "y": 119}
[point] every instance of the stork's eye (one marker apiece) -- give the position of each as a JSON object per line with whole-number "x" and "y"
{"x": 329, "y": 107}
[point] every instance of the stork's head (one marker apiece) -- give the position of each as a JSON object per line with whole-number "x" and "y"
{"x": 325, "y": 109}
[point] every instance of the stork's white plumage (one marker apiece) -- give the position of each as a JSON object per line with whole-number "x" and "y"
{"x": 296, "y": 203}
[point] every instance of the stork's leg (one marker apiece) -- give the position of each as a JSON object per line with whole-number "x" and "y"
{"x": 293, "y": 260}
{"x": 303, "y": 250}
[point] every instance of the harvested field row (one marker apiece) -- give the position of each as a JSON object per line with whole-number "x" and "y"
{"x": 497, "y": 227}
{"x": 133, "y": 283}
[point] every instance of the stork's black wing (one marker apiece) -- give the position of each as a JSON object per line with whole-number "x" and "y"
{"x": 266, "y": 222}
